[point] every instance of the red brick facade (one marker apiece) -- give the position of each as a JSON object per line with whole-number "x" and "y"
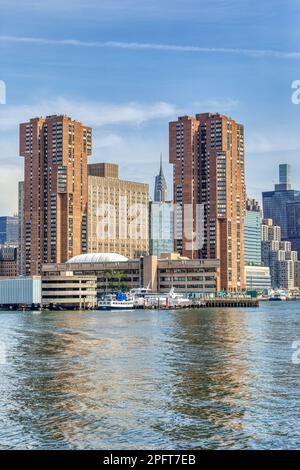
{"x": 55, "y": 150}
{"x": 207, "y": 152}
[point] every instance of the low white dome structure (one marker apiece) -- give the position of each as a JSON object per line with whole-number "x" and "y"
{"x": 97, "y": 258}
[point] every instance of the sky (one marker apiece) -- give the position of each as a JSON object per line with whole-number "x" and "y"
{"x": 128, "y": 67}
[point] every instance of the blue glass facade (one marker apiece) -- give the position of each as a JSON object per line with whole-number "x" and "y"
{"x": 252, "y": 237}
{"x": 8, "y": 229}
{"x": 275, "y": 207}
{"x": 293, "y": 224}
{"x": 161, "y": 228}
{"x": 2, "y": 230}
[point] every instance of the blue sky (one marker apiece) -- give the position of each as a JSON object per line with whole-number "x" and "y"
{"x": 127, "y": 67}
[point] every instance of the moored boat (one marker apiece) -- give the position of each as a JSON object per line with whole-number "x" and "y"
{"x": 115, "y": 302}
{"x": 145, "y": 298}
{"x": 277, "y": 298}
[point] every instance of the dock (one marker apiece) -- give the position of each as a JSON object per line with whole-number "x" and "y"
{"x": 225, "y": 303}
{"x": 195, "y": 304}
{"x": 207, "y": 303}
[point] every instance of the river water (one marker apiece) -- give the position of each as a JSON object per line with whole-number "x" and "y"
{"x": 192, "y": 379}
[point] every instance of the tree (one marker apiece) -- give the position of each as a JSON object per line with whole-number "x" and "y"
{"x": 115, "y": 279}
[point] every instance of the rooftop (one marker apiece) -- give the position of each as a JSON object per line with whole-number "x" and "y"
{"x": 97, "y": 258}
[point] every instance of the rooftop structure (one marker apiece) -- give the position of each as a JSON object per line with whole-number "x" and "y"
{"x": 97, "y": 258}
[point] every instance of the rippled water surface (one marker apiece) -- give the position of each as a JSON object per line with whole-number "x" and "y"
{"x": 129, "y": 380}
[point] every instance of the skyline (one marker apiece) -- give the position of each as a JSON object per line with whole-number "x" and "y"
{"x": 149, "y": 229}
{"x": 129, "y": 107}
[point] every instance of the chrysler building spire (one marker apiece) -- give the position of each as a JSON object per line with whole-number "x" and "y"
{"x": 160, "y": 190}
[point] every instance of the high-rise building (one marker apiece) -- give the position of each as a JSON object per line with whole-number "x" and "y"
{"x": 160, "y": 189}
{"x": 293, "y": 224}
{"x": 275, "y": 202}
{"x": 161, "y": 224}
{"x": 55, "y": 150}
{"x": 284, "y": 178}
{"x": 269, "y": 231}
{"x": 8, "y": 261}
{"x": 8, "y": 229}
{"x": 278, "y": 256}
{"x": 20, "y": 226}
{"x": 207, "y": 152}
{"x": 118, "y": 213}
{"x": 105, "y": 170}
{"x": 252, "y": 233}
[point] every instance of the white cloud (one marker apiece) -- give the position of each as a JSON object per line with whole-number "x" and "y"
{"x": 9, "y": 177}
{"x": 125, "y": 147}
{"x": 254, "y": 53}
{"x": 90, "y": 113}
{"x": 106, "y": 141}
{"x": 8, "y": 148}
{"x": 130, "y": 144}
{"x": 275, "y": 140}
{"x": 138, "y": 156}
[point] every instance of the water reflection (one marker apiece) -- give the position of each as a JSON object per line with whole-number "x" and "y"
{"x": 193, "y": 379}
{"x": 211, "y": 381}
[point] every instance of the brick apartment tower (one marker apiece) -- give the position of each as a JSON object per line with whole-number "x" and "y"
{"x": 207, "y": 152}
{"x": 55, "y": 150}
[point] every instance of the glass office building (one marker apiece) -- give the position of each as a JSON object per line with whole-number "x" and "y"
{"x": 161, "y": 228}
{"x": 293, "y": 224}
{"x": 252, "y": 233}
{"x": 8, "y": 229}
{"x": 275, "y": 207}
{"x": 275, "y": 202}
{"x": 284, "y": 177}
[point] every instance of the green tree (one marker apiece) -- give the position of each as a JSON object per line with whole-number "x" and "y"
{"x": 115, "y": 280}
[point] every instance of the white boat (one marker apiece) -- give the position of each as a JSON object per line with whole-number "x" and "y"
{"x": 178, "y": 299}
{"x": 116, "y": 302}
{"x": 138, "y": 295}
{"x": 144, "y": 297}
{"x": 277, "y": 297}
